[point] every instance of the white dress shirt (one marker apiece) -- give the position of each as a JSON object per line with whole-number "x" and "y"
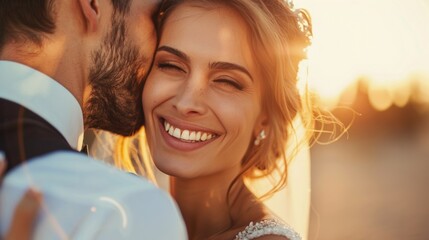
{"x": 83, "y": 198}
{"x": 45, "y": 97}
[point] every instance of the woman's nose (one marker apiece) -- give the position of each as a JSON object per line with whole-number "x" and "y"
{"x": 190, "y": 98}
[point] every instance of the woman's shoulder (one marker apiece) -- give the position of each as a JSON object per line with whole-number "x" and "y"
{"x": 268, "y": 229}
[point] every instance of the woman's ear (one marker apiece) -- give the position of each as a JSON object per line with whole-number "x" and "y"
{"x": 261, "y": 124}
{"x": 91, "y": 13}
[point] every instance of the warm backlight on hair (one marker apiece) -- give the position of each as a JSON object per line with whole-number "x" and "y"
{"x": 385, "y": 42}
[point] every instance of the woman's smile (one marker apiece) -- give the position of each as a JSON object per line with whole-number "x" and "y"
{"x": 185, "y": 136}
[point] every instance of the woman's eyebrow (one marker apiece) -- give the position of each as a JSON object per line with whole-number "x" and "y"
{"x": 174, "y": 51}
{"x": 230, "y": 66}
{"x": 213, "y": 65}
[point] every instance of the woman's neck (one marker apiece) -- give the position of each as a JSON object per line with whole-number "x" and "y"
{"x": 204, "y": 204}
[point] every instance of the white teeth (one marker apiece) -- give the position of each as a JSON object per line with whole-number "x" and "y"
{"x": 176, "y": 133}
{"x": 166, "y": 125}
{"x": 192, "y": 136}
{"x": 187, "y": 135}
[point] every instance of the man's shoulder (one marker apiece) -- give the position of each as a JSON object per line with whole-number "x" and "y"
{"x": 77, "y": 168}
{"x": 94, "y": 199}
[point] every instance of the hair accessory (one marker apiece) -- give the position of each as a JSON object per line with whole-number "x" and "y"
{"x": 304, "y": 19}
{"x": 290, "y": 4}
{"x": 260, "y": 137}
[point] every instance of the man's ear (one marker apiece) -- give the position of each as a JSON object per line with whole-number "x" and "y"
{"x": 91, "y": 13}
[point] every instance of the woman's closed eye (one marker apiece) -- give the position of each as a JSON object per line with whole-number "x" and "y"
{"x": 168, "y": 66}
{"x": 229, "y": 83}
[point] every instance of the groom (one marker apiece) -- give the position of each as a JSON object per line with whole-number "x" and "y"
{"x": 68, "y": 65}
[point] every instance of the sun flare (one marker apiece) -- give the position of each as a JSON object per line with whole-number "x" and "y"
{"x": 383, "y": 41}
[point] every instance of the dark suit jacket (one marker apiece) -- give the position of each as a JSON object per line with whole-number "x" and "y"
{"x": 25, "y": 135}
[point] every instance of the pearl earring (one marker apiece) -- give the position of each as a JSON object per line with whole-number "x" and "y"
{"x": 260, "y": 137}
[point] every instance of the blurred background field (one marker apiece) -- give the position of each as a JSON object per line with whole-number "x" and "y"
{"x": 373, "y": 183}
{"x": 371, "y": 57}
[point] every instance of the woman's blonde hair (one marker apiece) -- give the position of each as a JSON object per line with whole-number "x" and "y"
{"x": 279, "y": 36}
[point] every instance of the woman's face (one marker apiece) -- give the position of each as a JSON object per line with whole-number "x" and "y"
{"x": 202, "y": 99}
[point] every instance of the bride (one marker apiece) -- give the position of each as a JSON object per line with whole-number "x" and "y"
{"x": 219, "y": 105}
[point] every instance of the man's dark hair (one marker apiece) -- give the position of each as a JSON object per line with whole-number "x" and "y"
{"x": 29, "y": 20}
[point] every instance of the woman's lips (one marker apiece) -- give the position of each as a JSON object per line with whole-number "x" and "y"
{"x": 185, "y": 138}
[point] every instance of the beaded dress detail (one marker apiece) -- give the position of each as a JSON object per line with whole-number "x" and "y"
{"x": 267, "y": 227}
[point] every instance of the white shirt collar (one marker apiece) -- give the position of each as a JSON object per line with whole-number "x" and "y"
{"x": 45, "y": 97}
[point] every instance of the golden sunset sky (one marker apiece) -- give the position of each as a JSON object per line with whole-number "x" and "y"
{"x": 383, "y": 41}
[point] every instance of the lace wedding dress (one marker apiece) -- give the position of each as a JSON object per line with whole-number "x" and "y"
{"x": 267, "y": 227}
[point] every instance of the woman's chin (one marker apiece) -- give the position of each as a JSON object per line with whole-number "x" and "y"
{"x": 175, "y": 169}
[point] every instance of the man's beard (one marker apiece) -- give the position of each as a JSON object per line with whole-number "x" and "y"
{"x": 116, "y": 80}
